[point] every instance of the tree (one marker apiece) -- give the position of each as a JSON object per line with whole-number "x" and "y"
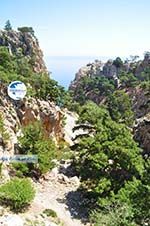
{"x": 119, "y": 106}
{"x": 118, "y": 62}
{"x": 8, "y": 26}
{"x": 6, "y": 60}
{"x": 26, "y": 29}
{"x": 107, "y": 157}
{"x": 35, "y": 142}
{"x": 128, "y": 79}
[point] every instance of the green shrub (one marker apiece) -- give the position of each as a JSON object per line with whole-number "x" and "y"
{"x": 35, "y": 142}
{"x": 21, "y": 169}
{"x": 115, "y": 215}
{"x": 120, "y": 108}
{"x": 45, "y": 149}
{"x": 17, "y": 194}
{"x": 0, "y": 168}
{"x": 50, "y": 213}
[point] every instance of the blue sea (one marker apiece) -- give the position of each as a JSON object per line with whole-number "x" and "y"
{"x": 64, "y": 68}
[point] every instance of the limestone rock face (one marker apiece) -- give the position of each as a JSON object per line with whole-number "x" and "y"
{"x": 140, "y": 101}
{"x": 21, "y": 113}
{"x": 142, "y": 65}
{"x": 109, "y": 70}
{"x": 142, "y": 133}
{"x": 27, "y": 44}
{"x": 91, "y": 69}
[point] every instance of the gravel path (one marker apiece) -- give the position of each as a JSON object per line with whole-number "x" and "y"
{"x": 52, "y": 194}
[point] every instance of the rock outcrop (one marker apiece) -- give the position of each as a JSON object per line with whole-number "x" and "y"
{"x": 91, "y": 69}
{"x": 108, "y": 69}
{"x": 27, "y": 44}
{"x": 21, "y": 113}
{"x": 111, "y": 70}
{"x": 142, "y": 65}
{"x": 142, "y": 133}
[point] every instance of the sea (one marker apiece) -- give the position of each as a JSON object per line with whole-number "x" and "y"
{"x": 64, "y": 68}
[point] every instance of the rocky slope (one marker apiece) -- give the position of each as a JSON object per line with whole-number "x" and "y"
{"x": 58, "y": 192}
{"x": 139, "y": 96}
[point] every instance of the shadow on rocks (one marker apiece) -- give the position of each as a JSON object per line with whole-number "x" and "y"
{"x": 77, "y": 205}
{"x": 67, "y": 168}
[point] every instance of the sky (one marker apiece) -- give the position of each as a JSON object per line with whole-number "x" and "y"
{"x": 83, "y": 27}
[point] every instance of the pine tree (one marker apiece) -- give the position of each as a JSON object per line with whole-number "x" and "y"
{"x": 8, "y": 26}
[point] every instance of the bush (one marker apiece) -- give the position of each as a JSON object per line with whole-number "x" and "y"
{"x": 45, "y": 149}
{"x": 35, "y": 142}
{"x": 17, "y": 194}
{"x": 115, "y": 215}
{"x": 119, "y": 106}
{"x": 50, "y": 213}
{"x": 21, "y": 169}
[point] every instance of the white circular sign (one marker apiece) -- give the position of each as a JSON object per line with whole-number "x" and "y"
{"x": 17, "y": 90}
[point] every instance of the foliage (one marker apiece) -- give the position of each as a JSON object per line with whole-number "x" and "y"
{"x": 70, "y": 103}
{"x": 34, "y": 141}
{"x": 45, "y": 149}
{"x": 128, "y": 79}
{"x": 0, "y": 168}
{"x": 145, "y": 85}
{"x": 107, "y": 159}
{"x": 50, "y": 213}
{"x": 21, "y": 169}
{"x": 116, "y": 214}
{"x": 137, "y": 195}
{"x": 31, "y": 135}
{"x": 119, "y": 106}
{"x": 118, "y": 62}
{"x": 145, "y": 75}
{"x": 17, "y": 193}
{"x": 8, "y": 26}
{"x": 6, "y": 61}
{"x": 99, "y": 85}
{"x": 18, "y": 67}
{"x": 26, "y": 29}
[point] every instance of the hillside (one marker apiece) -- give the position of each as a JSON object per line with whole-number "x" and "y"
{"x": 98, "y": 81}
{"x": 92, "y": 165}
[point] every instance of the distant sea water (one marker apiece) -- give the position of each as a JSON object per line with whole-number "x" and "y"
{"x": 64, "y": 68}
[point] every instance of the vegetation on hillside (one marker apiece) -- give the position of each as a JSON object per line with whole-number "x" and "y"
{"x": 115, "y": 177}
{"x": 39, "y": 85}
{"x": 112, "y": 170}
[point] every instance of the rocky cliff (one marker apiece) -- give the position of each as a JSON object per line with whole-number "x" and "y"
{"x": 111, "y": 69}
{"x": 24, "y": 43}
{"x": 18, "y": 114}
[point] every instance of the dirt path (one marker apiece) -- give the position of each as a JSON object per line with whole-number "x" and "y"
{"x": 58, "y": 194}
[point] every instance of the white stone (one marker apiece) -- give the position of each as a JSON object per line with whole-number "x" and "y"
{"x": 11, "y": 220}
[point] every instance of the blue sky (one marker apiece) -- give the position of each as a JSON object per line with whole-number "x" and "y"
{"x": 83, "y": 27}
